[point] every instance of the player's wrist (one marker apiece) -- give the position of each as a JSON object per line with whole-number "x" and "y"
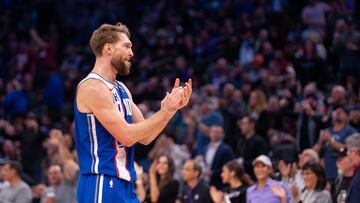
{"x": 167, "y": 113}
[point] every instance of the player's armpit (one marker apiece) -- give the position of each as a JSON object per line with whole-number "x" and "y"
{"x": 96, "y": 98}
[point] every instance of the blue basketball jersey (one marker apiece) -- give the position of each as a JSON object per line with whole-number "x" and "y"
{"x": 98, "y": 151}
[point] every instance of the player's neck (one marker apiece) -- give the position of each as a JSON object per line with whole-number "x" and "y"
{"x": 104, "y": 69}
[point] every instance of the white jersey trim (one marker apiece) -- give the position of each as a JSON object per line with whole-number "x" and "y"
{"x": 95, "y": 143}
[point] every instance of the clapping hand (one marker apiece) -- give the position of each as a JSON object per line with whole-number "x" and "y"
{"x": 278, "y": 191}
{"x": 186, "y": 92}
{"x": 178, "y": 97}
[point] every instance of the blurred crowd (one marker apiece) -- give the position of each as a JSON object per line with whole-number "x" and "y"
{"x": 275, "y": 106}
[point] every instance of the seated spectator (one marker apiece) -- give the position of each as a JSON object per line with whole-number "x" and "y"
{"x": 194, "y": 189}
{"x": 62, "y": 188}
{"x": 17, "y": 191}
{"x": 315, "y": 183}
{"x": 163, "y": 186}
{"x": 233, "y": 174}
{"x": 266, "y": 189}
{"x": 353, "y": 146}
{"x": 346, "y": 174}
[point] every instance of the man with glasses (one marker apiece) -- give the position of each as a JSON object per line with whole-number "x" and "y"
{"x": 353, "y": 146}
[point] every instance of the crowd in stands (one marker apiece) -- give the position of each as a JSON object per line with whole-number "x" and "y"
{"x": 274, "y": 115}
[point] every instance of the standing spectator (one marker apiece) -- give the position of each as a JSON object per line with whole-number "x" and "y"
{"x": 315, "y": 182}
{"x": 32, "y": 151}
{"x": 332, "y": 140}
{"x": 204, "y": 119}
{"x": 353, "y": 146}
{"x": 233, "y": 174}
{"x": 308, "y": 122}
{"x": 231, "y": 106}
{"x": 163, "y": 186}
{"x": 266, "y": 189}
{"x": 17, "y": 191}
{"x": 217, "y": 154}
{"x": 346, "y": 174}
{"x": 252, "y": 146}
{"x": 194, "y": 189}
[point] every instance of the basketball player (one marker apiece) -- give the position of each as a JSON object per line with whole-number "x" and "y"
{"x": 108, "y": 123}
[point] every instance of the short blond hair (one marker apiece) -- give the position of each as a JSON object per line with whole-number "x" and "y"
{"x": 106, "y": 33}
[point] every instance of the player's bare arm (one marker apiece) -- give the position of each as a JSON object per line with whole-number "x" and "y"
{"x": 94, "y": 97}
{"x": 138, "y": 117}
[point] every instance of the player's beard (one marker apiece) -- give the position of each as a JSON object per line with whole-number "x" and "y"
{"x": 122, "y": 67}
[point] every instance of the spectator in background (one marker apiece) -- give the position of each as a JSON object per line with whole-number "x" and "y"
{"x": 257, "y": 110}
{"x": 313, "y": 16}
{"x": 346, "y": 45}
{"x": 247, "y": 48}
{"x": 166, "y": 145}
{"x": 194, "y": 189}
{"x": 337, "y": 98}
{"x": 308, "y": 65}
{"x": 231, "y": 106}
{"x": 257, "y": 104}
{"x": 346, "y": 173}
{"x": 15, "y": 100}
{"x": 17, "y": 191}
{"x": 353, "y": 152}
{"x": 233, "y": 174}
{"x": 266, "y": 189}
{"x": 252, "y": 146}
{"x": 315, "y": 183}
{"x": 141, "y": 183}
{"x": 206, "y": 117}
{"x": 333, "y": 139}
{"x": 217, "y": 153}
{"x": 62, "y": 186}
{"x": 31, "y": 149}
{"x": 308, "y": 122}
{"x": 163, "y": 186}
{"x": 291, "y": 174}
{"x": 354, "y": 117}
{"x": 54, "y": 95}
{"x": 11, "y": 150}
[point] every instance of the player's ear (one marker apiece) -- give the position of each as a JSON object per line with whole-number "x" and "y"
{"x": 107, "y": 48}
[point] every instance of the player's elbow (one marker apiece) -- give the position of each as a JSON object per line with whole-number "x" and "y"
{"x": 145, "y": 142}
{"x": 126, "y": 142}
